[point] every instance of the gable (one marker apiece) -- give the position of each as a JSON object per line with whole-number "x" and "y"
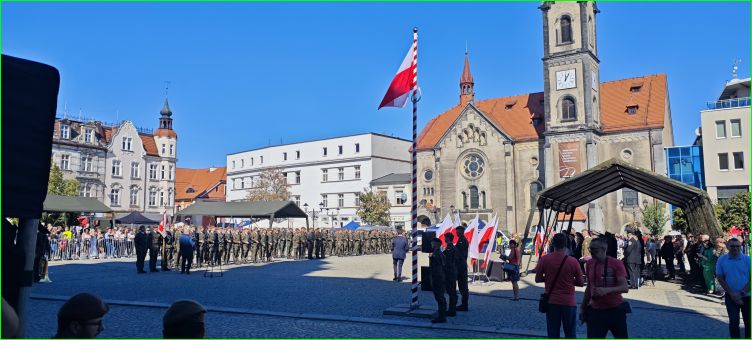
{"x": 471, "y": 131}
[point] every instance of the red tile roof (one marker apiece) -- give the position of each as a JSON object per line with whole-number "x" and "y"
{"x": 200, "y": 180}
{"x": 514, "y": 114}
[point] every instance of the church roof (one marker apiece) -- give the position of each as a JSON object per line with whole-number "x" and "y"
{"x": 514, "y": 115}
{"x": 467, "y": 77}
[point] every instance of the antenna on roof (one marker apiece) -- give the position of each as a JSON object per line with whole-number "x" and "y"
{"x": 65, "y": 112}
{"x": 735, "y": 68}
{"x": 166, "y": 88}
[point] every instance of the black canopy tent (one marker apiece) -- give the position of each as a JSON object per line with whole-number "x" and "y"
{"x": 135, "y": 218}
{"x": 613, "y": 175}
{"x": 270, "y": 210}
{"x": 29, "y": 104}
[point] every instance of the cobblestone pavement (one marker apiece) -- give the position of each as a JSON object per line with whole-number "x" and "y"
{"x": 359, "y": 287}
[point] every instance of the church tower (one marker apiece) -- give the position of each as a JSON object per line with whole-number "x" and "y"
{"x": 467, "y": 86}
{"x": 571, "y": 93}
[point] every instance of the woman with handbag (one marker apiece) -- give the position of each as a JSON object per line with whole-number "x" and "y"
{"x": 603, "y": 307}
{"x": 512, "y": 267}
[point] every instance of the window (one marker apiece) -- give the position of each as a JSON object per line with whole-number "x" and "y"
{"x": 284, "y": 177}
{"x": 116, "y": 168}
{"x": 324, "y": 150}
{"x": 152, "y": 171}
{"x": 247, "y": 182}
{"x": 284, "y": 156}
{"x": 535, "y": 188}
{"x": 725, "y": 193}
{"x": 296, "y": 199}
{"x": 172, "y": 149}
{"x": 242, "y": 163}
{"x": 568, "y": 110}
{"x": 566, "y": 30}
{"x": 161, "y": 199}
{"x": 251, "y": 161}
{"x": 64, "y": 162}
{"x": 162, "y": 173}
{"x": 339, "y": 149}
{"x": 127, "y": 144}
{"x": 85, "y": 190}
{"x": 152, "y": 197}
{"x": 170, "y": 173}
{"x": 88, "y": 134}
{"x": 632, "y": 109}
{"x": 237, "y": 183}
{"x": 473, "y": 165}
{"x": 723, "y": 162}
{"x": 87, "y": 163}
{"x": 357, "y": 172}
{"x": 324, "y": 175}
{"x": 720, "y": 129}
{"x": 341, "y": 174}
{"x": 169, "y": 198}
{"x": 738, "y": 160}
{"x": 261, "y": 159}
{"x": 115, "y": 196}
{"x": 64, "y": 131}
{"x": 357, "y": 199}
{"x": 635, "y": 88}
{"x": 324, "y": 200}
{"x": 134, "y": 196}
{"x": 297, "y": 154}
{"x": 340, "y": 200}
{"x": 428, "y": 175}
{"x": 297, "y": 177}
{"x": 135, "y": 173}
{"x": 400, "y": 196}
{"x": 164, "y": 149}
{"x": 233, "y": 164}
{"x": 474, "y": 197}
{"x": 736, "y": 128}
{"x": 630, "y": 198}
{"x": 357, "y": 147}
{"x": 464, "y": 199}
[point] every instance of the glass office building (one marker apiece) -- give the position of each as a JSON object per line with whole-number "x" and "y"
{"x": 685, "y": 164}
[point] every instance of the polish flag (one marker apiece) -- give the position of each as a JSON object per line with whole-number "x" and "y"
{"x": 490, "y": 233}
{"x": 539, "y": 240}
{"x": 471, "y": 229}
{"x": 474, "y": 248}
{"x": 445, "y": 227}
{"x": 163, "y": 223}
{"x": 406, "y": 79}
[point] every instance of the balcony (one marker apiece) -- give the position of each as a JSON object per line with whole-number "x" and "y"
{"x": 728, "y": 103}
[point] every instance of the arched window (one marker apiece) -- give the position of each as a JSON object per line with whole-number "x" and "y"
{"x": 535, "y": 188}
{"x": 568, "y": 110}
{"x": 474, "y": 197}
{"x": 566, "y": 30}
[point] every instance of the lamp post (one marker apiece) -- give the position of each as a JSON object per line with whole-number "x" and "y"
{"x": 313, "y": 212}
{"x": 621, "y": 207}
{"x": 331, "y": 216}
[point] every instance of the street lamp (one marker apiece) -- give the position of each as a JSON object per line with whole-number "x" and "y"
{"x": 621, "y": 207}
{"x": 331, "y": 216}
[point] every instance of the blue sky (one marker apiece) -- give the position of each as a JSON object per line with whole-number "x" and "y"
{"x": 244, "y": 75}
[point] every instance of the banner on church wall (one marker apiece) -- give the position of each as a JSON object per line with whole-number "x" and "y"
{"x": 569, "y": 159}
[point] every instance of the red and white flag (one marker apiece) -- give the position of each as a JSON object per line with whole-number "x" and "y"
{"x": 163, "y": 223}
{"x": 445, "y": 227}
{"x": 475, "y": 245}
{"x": 405, "y": 81}
{"x": 471, "y": 229}
{"x": 490, "y": 234}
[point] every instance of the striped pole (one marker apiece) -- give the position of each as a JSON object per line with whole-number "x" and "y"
{"x": 414, "y": 209}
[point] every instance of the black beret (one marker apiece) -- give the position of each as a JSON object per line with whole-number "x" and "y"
{"x": 83, "y": 306}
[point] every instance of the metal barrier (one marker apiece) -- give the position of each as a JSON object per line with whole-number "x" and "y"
{"x": 80, "y": 248}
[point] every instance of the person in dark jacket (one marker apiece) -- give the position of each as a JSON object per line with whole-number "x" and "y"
{"x": 633, "y": 259}
{"x": 436, "y": 264}
{"x": 155, "y": 242}
{"x": 142, "y": 245}
{"x": 667, "y": 253}
{"x": 450, "y": 272}
{"x": 42, "y": 248}
{"x": 186, "y": 251}
{"x": 461, "y": 263}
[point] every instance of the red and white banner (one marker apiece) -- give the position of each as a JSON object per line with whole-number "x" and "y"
{"x": 490, "y": 235}
{"x": 445, "y": 227}
{"x": 163, "y": 223}
{"x": 471, "y": 229}
{"x": 405, "y": 81}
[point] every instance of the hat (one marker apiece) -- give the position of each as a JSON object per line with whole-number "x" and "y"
{"x": 83, "y": 306}
{"x": 182, "y": 311}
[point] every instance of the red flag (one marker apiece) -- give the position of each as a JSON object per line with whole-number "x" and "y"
{"x": 163, "y": 223}
{"x": 405, "y": 81}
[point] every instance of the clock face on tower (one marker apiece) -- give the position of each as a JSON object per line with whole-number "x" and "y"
{"x": 565, "y": 79}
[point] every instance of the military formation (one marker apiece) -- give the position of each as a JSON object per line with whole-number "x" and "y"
{"x": 216, "y": 246}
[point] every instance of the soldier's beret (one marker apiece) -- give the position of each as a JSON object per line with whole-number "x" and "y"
{"x": 83, "y": 306}
{"x": 183, "y": 311}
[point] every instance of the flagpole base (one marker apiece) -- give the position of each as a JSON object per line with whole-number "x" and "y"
{"x": 417, "y": 311}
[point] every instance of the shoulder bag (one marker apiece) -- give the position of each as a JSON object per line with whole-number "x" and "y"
{"x": 543, "y": 302}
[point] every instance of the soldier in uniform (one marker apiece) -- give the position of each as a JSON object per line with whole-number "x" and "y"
{"x": 288, "y": 243}
{"x": 216, "y": 259}
{"x": 155, "y": 242}
{"x": 206, "y": 249}
{"x": 236, "y": 246}
{"x": 198, "y": 237}
{"x": 245, "y": 238}
{"x": 436, "y": 265}
{"x": 318, "y": 238}
{"x": 255, "y": 244}
{"x": 461, "y": 263}
{"x": 302, "y": 246}
{"x": 142, "y": 245}
{"x": 450, "y": 272}
{"x": 264, "y": 245}
{"x": 167, "y": 250}
{"x": 176, "y": 245}
{"x": 310, "y": 239}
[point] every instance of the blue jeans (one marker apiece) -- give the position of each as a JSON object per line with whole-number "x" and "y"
{"x": 558, "y": 316}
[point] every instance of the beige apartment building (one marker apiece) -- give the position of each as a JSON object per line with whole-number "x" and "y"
{"x": 725, "y": 141}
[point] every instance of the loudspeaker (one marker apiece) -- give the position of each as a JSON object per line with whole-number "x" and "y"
{"x": 495, "y": 271}
{"x": 425, "y": 279}
{"x": 426, "y": 241}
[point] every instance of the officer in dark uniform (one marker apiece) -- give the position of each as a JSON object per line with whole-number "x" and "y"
{"x": 450, "y": 272}
{"x": 461, "y": 264}
{"x": 142, "y": 245}
{"x": 215, "y": 247}
{"x": 436, "y": 265}
{"x": 155, "y": 242}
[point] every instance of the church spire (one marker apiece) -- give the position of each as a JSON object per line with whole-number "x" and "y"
{"x": 467, "y": 91}
{"x": 165, "y": 121}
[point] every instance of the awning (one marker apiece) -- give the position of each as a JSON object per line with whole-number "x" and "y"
{"x": 57, "y": 203}
{"x": 351, "y": 226}
{"x": 135, "y": 218}
{"x": 280, "y": 209}
{"x": 613, "y": 175}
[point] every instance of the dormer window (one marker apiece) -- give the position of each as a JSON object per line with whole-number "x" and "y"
{"x": 127, "y": 144}
{"x": 508, "y": 106}
{"x": 632, "y": 109}
{"x": 190, "y": 190}
{"x": 64, "y": 131}
{"x": 635, "y": 88}
{"x": 88, "y": 135}
{"x": 566, "y": 30}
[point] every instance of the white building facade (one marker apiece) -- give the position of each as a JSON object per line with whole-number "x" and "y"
{"x": 324, "y": 175}
{"x": 398, "y": 191}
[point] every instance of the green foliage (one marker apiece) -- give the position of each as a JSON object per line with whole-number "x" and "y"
{"x": 64, "y": 187}
{"x": 374, "y": 208}
{"x": 680, "y": 221}
{"x": 654, "y": 217}
{"x": 733, "y": 211}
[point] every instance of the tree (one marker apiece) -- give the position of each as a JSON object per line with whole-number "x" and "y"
{"x": 271, "y": 186}
{"x": 733, "y": 211}
{"x": 373, "y": 208}
{"x": 64, "y": 187}
{"x": 680, "y": 221}
{"x": 654, "y": 217}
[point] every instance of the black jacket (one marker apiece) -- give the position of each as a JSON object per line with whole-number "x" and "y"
{"x": 141, "y": 240}
{"x": 633, "y": 252}
{"x": 450, "y": 263}
{"x": 436, "y": 264}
